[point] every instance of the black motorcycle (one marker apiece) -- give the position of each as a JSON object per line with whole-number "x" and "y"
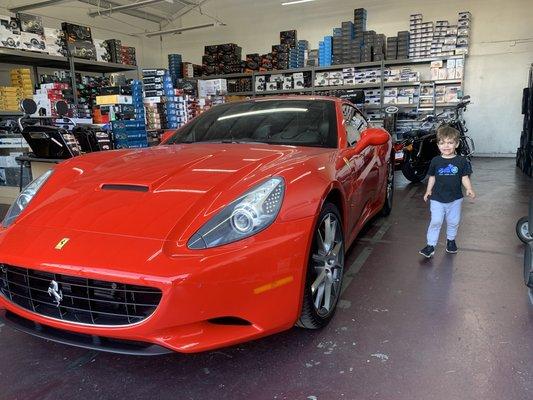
{"x": 420, "y": 145}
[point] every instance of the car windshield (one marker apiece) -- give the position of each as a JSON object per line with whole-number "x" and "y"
{"x": 286, "y": 122}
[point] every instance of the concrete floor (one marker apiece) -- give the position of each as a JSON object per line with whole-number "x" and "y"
{"x": 453, "y": 327}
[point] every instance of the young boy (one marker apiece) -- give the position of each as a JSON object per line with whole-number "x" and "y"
{"x": 446, "y": 174}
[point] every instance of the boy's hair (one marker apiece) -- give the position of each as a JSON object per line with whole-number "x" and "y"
{"x": 446, "y": 132}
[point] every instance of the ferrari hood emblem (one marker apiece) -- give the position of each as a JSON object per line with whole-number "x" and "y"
{"x": 62, "y": 243}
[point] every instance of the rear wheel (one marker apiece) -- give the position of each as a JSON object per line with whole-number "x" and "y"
{"x": 324, "y": 271}
{"x": 414, "y": 174}
{"x": 522, "y": 230}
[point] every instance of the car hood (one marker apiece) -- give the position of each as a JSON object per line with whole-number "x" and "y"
{"x": 153, "y": 192}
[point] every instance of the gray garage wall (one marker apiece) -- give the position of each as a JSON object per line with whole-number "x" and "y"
{"x": 500, "y": 53}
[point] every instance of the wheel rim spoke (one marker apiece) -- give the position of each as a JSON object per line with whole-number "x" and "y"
{"x": 319, "y": 296}
{"x": 327, "y": 294}
{"x": 318, "y": 281}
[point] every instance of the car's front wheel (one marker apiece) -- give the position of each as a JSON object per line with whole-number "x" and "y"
{"x": 325, "y": 270}
{"x": 522, "y": 230}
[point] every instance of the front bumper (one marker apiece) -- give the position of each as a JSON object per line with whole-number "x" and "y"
{"x": 257, "y": 282}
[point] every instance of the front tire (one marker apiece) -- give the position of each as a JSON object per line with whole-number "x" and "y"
{"x": 325, "y": 271}
{"x": 413, "y": 174}
{"x": 522, "y": 230}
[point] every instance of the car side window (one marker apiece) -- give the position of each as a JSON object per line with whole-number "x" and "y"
{"x": 354, "y": 123}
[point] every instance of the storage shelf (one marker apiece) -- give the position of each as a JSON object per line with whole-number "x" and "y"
{"x": 98, "y": 66}
{"x": 240, "y": 93}
{"x": 286, "y": 91}
{"x": 347, "y": 87}
{"x": 11, "y": 114}
{"x": 224, "y": 76}
{"x": 12, "y": 56}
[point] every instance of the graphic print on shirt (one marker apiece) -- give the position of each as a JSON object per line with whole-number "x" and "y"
{"x": 450, "y": 169}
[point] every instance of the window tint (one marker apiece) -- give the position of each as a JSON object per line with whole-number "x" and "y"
{"x": 288, "y": 122}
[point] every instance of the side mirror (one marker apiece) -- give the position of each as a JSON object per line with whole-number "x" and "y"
{"x": 166, "y": 135}
{"x": 372, "y": 137}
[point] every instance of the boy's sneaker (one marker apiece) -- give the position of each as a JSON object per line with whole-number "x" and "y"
{"x": 451, "y": 247}
{"x": 427, "y": 251}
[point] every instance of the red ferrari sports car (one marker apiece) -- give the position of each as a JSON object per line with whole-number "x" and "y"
{"x": 234, "y": 228}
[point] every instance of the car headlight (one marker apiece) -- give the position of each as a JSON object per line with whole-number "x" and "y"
{"x": 244, "y": 217}
{"x": 24, "y": 198}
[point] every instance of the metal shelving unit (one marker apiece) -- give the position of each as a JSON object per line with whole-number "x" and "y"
{"x": 313, "y": 89}
{"x": 36, "y": 60}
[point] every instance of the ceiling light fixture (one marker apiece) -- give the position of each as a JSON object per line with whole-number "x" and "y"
{"x": 180, "y": 30}
{"x": 289, "y": 3}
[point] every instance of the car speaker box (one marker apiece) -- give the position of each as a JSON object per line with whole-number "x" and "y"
{"x": 31, "y": 23}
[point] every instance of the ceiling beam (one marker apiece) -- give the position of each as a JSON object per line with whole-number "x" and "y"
{"x": 106, "y": 4}
{"x": 34, "y": 5}
{"x": 113, "y": 9}
{"x": 179, "y": 30}
{"x": 180, "y": 13}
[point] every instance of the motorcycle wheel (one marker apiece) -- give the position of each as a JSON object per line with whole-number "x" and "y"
{"x": 413, "y": 174}
{"x": 522, "y": 230}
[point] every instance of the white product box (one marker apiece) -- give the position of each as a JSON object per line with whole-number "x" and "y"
{"x": 33, "y": 42}
{"x": 321, "y": 76}
{"x": 443, "y": 73}
{"x": 440, "y": 99}
{"x": 373, "y": 101}
{"x": 436, "y": 64}
{"x": 450, "y": 63}
{"x": 404, "y": 100}
{"x": 389, "y": 100}
{"x": 43, "y": 103}
{"x": 349, "y": 81}
{"x": 390, "y": 92}
{"x": 440, "y": 90}
{"x": 9, "y": 39}
{"x": 335, "y": 82}
{"x": 335, "y": 75}
{"x": 372, "y": 92}
{"x": 52, "y": 37}
{"x": 212, "y": 87}
{"x": 101, "y": 50}
{"x": 271, "y": 86}
{"x": 434, "y": 72}
{"x": 450, "y": 73}
{"x": 459, "y": 73}
{"x": 276, "y": 78}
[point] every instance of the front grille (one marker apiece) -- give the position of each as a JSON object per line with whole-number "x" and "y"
{"x": 87, "y": 301}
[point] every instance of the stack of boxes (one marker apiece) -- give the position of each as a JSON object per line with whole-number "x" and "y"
{"x": 79, "y": 41}
{"x": 10, "y": 97}
{"x": 325, "y": 49}
{"x": 398, "y": 46}
{"x": 102, "y": 50}
{"x": 21, "y": 78}
{"x": 359, "y": 21}
{"x": 403, "y": 45}
{"x": 252, "y": 62}
{"x": 336, "y": 47}
{"x": 288, "y": 39}
{"x": 128, "y": 134}
{"x": 303, "y": 50}
{"x": 32, "y": 33}
{"x": 287, "y": 81}
{"x": 463, "y": 32}
{"x": 128, "y": 55}
{"x": 329, "y": 78}
{"x": 48, "y": 95}
{"x": 421, "y": 37}
{"x": 154, "y": 83}
{"x": 175, "y": 67}
{"x": 369, "y": 38}
{"x": 280, "y": 56}
{"x": 312, "y": 58}
{"x": 115, "y": 50}
{"x": 222, "y": 59}
{"x": 451, "y": 69}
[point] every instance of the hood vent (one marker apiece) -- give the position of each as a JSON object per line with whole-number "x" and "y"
{"x": 128, "y": 188}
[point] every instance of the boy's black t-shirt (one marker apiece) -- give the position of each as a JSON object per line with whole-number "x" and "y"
{"x": 448, "y": 173}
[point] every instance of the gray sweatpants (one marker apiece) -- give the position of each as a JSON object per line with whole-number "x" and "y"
{"x": 439, "y": 211}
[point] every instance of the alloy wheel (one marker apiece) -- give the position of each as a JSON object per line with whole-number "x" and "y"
{"x": 328, "y": 265}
